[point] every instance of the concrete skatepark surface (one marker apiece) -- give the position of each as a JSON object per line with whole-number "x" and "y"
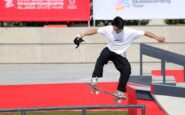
{"x": 55, "y": 73}
{"x": 52, "y": 73}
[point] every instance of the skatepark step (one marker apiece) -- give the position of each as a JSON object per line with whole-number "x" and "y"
{"x": 144, "y": 80}
{"x": 140, "y": 92}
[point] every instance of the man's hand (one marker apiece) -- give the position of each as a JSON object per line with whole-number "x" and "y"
{"x": 78, "y": 39}
{"x": 161, "y": 39}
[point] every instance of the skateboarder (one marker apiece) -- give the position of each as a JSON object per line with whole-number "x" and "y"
{"x": 119, "y": 39}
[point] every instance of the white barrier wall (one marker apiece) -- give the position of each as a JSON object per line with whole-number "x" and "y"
{"x": 138, "y": 9}
{"x": 55, "y": 45}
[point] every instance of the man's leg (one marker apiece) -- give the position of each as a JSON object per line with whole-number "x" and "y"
{"x": 101, "y": 61}
{"x": 123, "y": 66}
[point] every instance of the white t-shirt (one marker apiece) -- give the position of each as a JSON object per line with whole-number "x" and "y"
{"x": 119, "y": 42}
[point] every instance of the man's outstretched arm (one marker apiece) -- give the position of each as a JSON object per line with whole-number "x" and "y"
{"x": 152, "y": 35}
{"x": 88, "y": 33}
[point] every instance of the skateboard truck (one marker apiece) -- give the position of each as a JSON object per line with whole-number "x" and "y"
{"x": 95, "y": 92}
{"x": 95, "y": 89}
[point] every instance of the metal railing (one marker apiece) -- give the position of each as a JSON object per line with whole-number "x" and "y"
{"x": 163, "y": 55}
{"x": 83, "y": 108}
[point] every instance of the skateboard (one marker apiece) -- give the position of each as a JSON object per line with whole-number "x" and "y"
{"x": 96, "y": 91}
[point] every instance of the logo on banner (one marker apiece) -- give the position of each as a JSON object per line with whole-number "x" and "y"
{"x": 122, "y": 4}
{"x": 9, "y": 3}
{"x": 72, "y": 4}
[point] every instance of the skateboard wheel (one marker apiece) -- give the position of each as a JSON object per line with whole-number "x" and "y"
{"x": 97, "y": 92}
{"x": 117, "y": 100}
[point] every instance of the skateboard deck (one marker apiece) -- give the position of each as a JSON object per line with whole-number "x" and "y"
{"x": 97, "y": 90}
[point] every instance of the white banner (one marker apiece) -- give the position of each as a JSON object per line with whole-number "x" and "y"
{"x": 138, "y": 9}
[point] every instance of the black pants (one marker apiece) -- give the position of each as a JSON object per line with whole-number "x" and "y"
{"x": 121, "y": 64}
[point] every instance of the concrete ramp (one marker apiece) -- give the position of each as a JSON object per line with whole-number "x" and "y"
{"x": 172, "y": 105}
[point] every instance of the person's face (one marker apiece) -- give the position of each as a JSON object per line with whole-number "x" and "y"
{"x": 116, "y": 29}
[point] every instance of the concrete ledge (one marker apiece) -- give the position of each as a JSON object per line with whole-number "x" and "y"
{"x": 66, "y": 35}
{"x": 144, "y": 80}
{"x": 168, "y": 90}
{"x": 170, "y": 80}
